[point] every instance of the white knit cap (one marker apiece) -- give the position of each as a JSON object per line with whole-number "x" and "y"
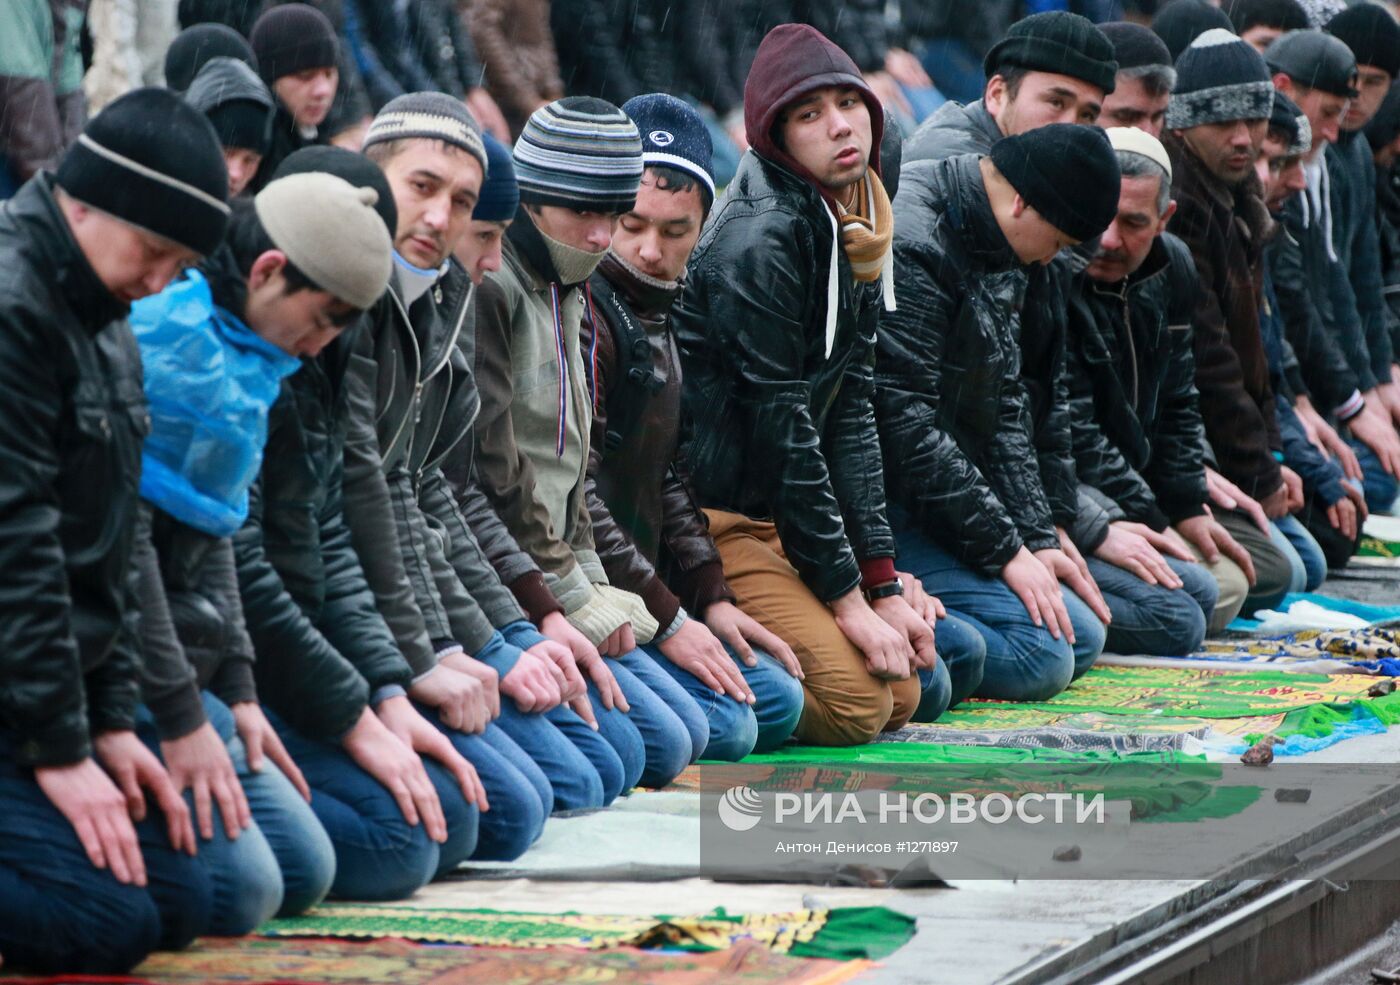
{"x": 1136, "y": 141}
{"x": 330, "y": 231}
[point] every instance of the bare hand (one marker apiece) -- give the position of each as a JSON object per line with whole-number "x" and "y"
{"x": 1213, "y": 540}
{"x": 559, "y": 656}
{"x": 621, "y": 641}
{"x": 905, "y": 69}
{"x": 589, "y": 661}
{"x": 135, "y": 767}
{"x": 534, "y": 684}
{"x": 695, "y": 649}
{"x": 1082, "y": 582}
{"x": 458, "y": 698}
{"x": 199, "y": 762}
{"x": 261, "y": 739}
{"x": 929, "y": 607}
{"x": 382, "y": 755}
{"x": 96, "y": 809}
{"x": 1373, "y": 429}
{"x": 727, "y": 621}
{"x": 887, "y": 650}
{"x": 1293, "y": 482}
{"x": 1228, "y": 496}
{"x": 898, "y": 613}
{"x": 1128, "y": 549}
{"x": 1039, "y": 591}
{"x": 490, "y": 680}
{"x": 423, "y": 737}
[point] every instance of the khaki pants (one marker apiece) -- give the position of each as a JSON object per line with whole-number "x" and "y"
{"x": 845, "y": 704}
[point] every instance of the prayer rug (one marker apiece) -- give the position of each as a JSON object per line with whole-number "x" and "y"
{"x": 1374, "y": 651}
{"x": 256, "y": 961}
{"x": 844, "y": 933}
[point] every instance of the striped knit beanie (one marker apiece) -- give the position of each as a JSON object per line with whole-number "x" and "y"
{"x": 579, "y": 153}
{"x": 428, "y": 116}
{"x": 1219, "y": 78}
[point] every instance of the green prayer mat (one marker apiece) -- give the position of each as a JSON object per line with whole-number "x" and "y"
{"x": 1177, "y": 692}
{"x": 845, "y": 933}
{"x": 1165, "y": 786}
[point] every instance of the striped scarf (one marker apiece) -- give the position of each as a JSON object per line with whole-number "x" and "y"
{"x": 867, "y": 228}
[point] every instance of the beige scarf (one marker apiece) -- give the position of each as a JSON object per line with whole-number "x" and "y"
{"x": 867, "y": 228}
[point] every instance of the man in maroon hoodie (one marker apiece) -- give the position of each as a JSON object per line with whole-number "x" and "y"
{"x": 777, "y": 328}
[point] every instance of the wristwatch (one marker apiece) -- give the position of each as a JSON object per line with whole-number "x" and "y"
{"x": 883, "y": 591}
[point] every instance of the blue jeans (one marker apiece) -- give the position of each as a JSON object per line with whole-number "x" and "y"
{"x": 582, "y": 770}
{"x": 518, "y": 796}
{"x": 61, "y": 914}
{"x": 962, "y": 656}
{"x": 283, "y": 863}
{"x": 1304, "y": 555}
{"x": 1150, "y": 619}
{"x": 1379, "y": 486}
{"x": 378, "y": 854}
{"x": 739, "y": 729}
{"x": 659, "y": 735}
{"x": 1023, "y": 661}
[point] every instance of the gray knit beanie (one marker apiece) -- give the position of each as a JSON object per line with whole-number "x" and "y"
{"x": 1219, "y": 78}
{"x": 329, "y": 229}
{"x": 428, "y": 116}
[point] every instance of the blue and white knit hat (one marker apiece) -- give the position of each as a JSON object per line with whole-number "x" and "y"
{"x": 1219, "y": 78}
{"x": 674, "y": 135}
{"x": 579, "y": 153}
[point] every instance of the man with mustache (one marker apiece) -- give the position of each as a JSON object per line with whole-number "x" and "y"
{"x": 1137, "y": 427}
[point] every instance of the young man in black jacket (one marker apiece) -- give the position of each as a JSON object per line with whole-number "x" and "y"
{"x": 777, "y": 326}
{"x": 967, "y": 511}
{"x": 82, "y": 887}
{"x": 645, "y": 522}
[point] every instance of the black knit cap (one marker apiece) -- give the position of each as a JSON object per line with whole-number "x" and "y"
{"x": 1067, "y": 173}
{"x": 194, "y": 46}
{"x": 293, "y": 38}
{"x": 1183, "y": 21}
{"x": 357, "y": 169}
{"x": 1135, "y": 46}
{"x": 1316, "y": 60}
{"x": 152, "y": 160}
{"x": 1371, "y": 34}
{"x": 1056, "y": 42}
{"x": 1283, "y": 15}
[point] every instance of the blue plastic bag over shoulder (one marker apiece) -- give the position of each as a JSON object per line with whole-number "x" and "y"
{"x": 210, "y": 382}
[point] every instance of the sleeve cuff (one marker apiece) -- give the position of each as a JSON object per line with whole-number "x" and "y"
{"x": 877, "y": 571}
{"x": 534, "y": 596}
{"x": 523, "y": 635}
{"x": 386, "y": 692}
{"x": 1352, "y": 406}
{"x": 672, "y": 628}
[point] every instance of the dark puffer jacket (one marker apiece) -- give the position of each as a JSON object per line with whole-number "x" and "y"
{"x": 72, "y": 419}
{"x": 951, "y": 405}
{"x": 781, "y": 430}
{"x": 1226, "y": 231}
{"x": 644, "y": 513}
{"x": 322, "y": 646}
{"x": 1134, "y": 407}
{"x": 970, "y": 129}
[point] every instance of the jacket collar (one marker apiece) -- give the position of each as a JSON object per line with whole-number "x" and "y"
{"x": 434, "y": 321}
{"x": 531, "y": 251}
{"x": 1156, "y": 265}
{"x": 648, "y": 297}
{"x": 971, "y": 211}
{"x": 1245, "y": 199}
{"x": 35, "y": 210}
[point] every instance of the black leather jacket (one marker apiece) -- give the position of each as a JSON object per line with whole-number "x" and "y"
{"x": 781, "y": 429}
{"x": 952, "y": 406}
{"x": 970, "y": 129}
{"x": 72, "y": 419}
{"x": 1134, "y": 408}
